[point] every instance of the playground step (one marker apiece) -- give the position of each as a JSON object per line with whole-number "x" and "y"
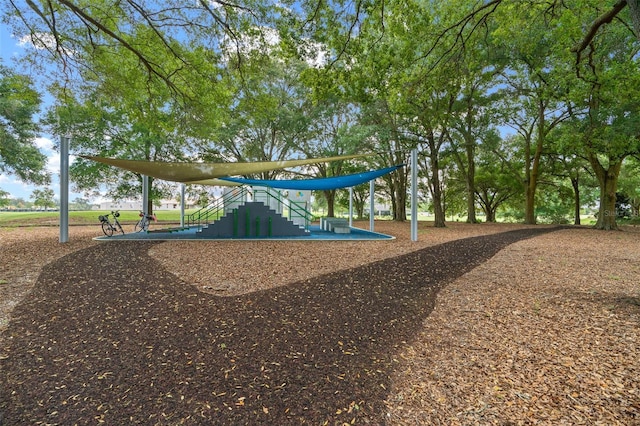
{"x": 335, "y": 224}
{"x": 341, "y": 230}
{"x": 253, "y": 220}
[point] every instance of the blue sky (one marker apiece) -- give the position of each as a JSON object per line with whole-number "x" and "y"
{"x": 10, "y": 48}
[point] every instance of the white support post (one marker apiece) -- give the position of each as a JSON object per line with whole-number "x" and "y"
{"x": 182, "y": 192}
{"x": 64, "y": 189}
{"x": 350, "y": 206}
{"x": 414, "y": 195}
{"x": 372, "y": 207}
{"x": 145, "y": 194}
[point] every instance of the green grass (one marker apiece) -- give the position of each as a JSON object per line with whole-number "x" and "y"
{"x": 87, "y": 217}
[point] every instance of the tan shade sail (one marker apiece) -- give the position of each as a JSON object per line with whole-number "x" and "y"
{"x": 198, "y": 172}
{"x": 214, "y": 182}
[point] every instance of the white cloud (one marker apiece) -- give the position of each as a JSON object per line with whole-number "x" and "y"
{"x": 38, "y": 41}
{"x": 315, "y": 54}
{"x": 42, "y": 41}
{"x": 15, "y": 187}
{"x": 266, "y": 40}
{"x": 12, "y": 180}
{"x": 44, "y": 144}
{"x": 53, "y": 163}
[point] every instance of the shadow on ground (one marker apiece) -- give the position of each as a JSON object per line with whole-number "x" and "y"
{"x": 111, "y": 336}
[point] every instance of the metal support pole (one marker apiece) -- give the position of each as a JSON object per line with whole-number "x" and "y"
{"x": 182, "y": 192}
{"x": 145, "y": 194}
{"x": 414, "y": 195}
{"x": 372, "y": 207}
{"x": 350, "y": 206}
{"x": 64, "y": 189}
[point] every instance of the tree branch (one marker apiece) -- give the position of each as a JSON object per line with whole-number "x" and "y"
{"x": 152, "y": 68}
{"x": 356, "y": 19}
{"x": 462, "y": 23}
{"x": 599, "y": 22}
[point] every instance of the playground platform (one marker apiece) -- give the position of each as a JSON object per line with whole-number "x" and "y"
{"x": 315, "y": 234}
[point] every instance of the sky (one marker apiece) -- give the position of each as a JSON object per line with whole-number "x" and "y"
{"x": 9, "y": 48}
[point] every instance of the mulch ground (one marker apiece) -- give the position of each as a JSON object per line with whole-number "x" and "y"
{"x": 109, "y": 336}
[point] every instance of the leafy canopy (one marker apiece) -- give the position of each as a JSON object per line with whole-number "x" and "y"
{"x": 19, "y": 154}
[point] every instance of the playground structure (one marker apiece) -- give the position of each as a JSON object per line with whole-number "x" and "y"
{"x": 254, "y": 208}
{"x": 250, "y": 213}
{"x": 258, "y": 212}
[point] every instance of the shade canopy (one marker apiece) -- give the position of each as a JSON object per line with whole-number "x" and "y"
{"x": 202, "y": 172}
{"x": 320, "y": 184}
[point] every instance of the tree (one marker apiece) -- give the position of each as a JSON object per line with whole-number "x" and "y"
{"x": 385, "y": 137}
{"x": 120, "y": 116}
{"x": 567, "y": 164}
{"x": 609, "y": 125}
{"x": 497, "y": 179}
{"x": 536, "y": 81}
{"x": 407, "y": 104}
{"x": 269, "y": 119}
{"x": 43, "y": 198}
{"x": 360, "y": 192}
{"x": 334, "y": 131}
{"x": 156, "y": 34}
{"x": 555, "y": 202}
{"x": 470, "y": 124}
{"x": 122, "y": 131}
{"x": 492, "y": 192}
{"x": 19, "y": 102}
{"x": 574, "y": 169}
{"x": 470, "y": 79}
{"x": 363, "y": 117}
{"x": 630, "y": 184}
{"x": 606, "y": 17}
{"x": 427, "y": 118}
{"x": 4, "y": 198}
{"x": 477, "y": 18}
{"x": 82, "y": 204}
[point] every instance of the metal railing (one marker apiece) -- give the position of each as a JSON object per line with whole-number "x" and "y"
{"x": 296, "y": 212}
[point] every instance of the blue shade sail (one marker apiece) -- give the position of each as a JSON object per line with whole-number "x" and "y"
{"x": 320, "y": 184}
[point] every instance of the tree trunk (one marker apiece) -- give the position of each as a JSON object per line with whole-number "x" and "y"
{"x": 436, "y": 192}
{"x": 532, "y": 185}
{"x": 608, "y": 181}
{"x": 400, "y": 212}
{"x": 471, "y": 189}
{"x": 434, "y": 185}
{"x": 532, "y": 173}
{"x": 358, "y": 205}
{"x": 491, "y": 215}
{"x": 330, "y": 196}
{"x": 607, "y": 211}
{"x": 529, "y": 215}
{"x": 397, "y": 183}
{"x": 488, "y": 207}
{"x": 576, "y": 200}
{"x": 400, "y": 209}
{"x": 530, "y": 203}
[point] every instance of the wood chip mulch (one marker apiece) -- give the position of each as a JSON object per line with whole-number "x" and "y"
{"x": 108, "y": 335}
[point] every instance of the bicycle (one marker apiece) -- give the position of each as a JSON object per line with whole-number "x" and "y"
{"x": 108, "y": 227}
{"x": 143, "y": 223}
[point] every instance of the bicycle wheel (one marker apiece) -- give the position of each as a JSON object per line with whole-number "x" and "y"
{"x": 139, "y": 226}
{"x": 107, "y": 229}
